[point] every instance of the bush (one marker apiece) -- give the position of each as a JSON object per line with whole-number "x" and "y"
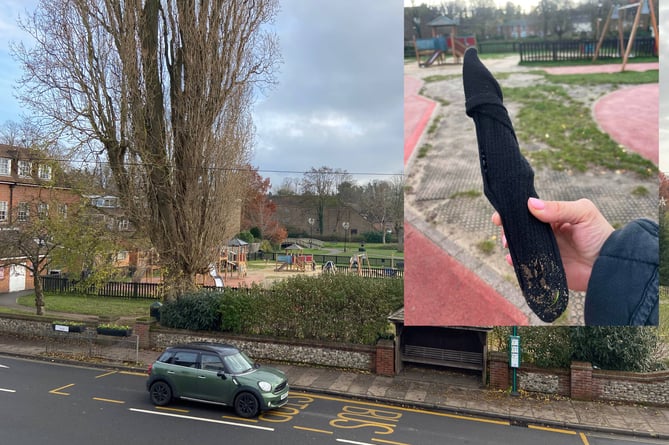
{"x": 196, "y": 312}
{"x": 372, "y": 237}
{"x": 347, "y": 309}
{"x": 619, "y": 348}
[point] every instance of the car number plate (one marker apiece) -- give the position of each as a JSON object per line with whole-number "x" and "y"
{"x": 284, "y": 395}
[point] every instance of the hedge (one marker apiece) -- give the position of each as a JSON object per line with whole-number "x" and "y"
{"x": 338, "y": 308}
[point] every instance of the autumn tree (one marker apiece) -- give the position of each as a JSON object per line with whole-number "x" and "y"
{"x": 163, "y": 90}
{"x": 259, "y": 211}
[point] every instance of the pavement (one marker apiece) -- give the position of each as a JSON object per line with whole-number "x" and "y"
{"x": 449, "y": 279}
{"x": 419, "y": 387}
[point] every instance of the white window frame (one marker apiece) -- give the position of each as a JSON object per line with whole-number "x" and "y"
{"x": 5, "y": 167}
{"x": 123, "y": 224}
{"x": 62, "y": 211}
{"x": 23, "y": 212}
{"x": 44, "y": 172}
{"x": 42, "y": 210}
{"x": 3, "y": 210}
{"x": 25, "y": 169}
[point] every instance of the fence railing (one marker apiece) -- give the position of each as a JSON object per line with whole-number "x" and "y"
{"x": 568, "y": 50}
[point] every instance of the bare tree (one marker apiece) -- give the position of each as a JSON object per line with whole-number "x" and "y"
{"x": 323, "y": 183}
{"x": 164, "y": 87}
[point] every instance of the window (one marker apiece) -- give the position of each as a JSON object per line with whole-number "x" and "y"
{"x": 122, "y": 256}
{"x": 62, "y": 210}
{"x": 123, "y": 224}
{"x": 185, "y": 358}
{"x": 44, "y": 172}
{"x": 42, "y": 210}
{"x": 23, "y": 212}
{"x": 3, "y": 210}
{"x": 5, "y": 167}
{"x": 25, "y": 168}
{"x": 211, "y": 362}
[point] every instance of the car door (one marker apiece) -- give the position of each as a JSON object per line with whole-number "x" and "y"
{"x": 183, "y": 372}
{"x": 212, "y": 385}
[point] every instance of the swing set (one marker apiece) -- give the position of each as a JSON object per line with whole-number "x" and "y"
{"x": 644, "y": 7}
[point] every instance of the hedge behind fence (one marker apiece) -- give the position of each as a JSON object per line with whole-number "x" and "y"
{"x": 337, "y": 308}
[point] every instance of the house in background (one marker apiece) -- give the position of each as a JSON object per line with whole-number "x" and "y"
{"x": 28, "y": 187}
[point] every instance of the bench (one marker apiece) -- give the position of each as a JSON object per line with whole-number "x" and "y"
{"x": 443, "y": 357}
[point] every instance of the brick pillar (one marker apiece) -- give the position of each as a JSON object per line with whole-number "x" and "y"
{"x": 143, "y": 330}
{"x": 499, "y": 370}
{"x": 581, "y": 381}
{"x": 385, "y": 357}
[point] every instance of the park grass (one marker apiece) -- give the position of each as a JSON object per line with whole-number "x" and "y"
{"x": 583, "y": 62}
{"x": 550, "y": 116}
{"x": 91, "y": 305}
{"x": 619, "y": 78}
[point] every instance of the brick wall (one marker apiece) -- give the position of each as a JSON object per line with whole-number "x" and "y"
{"x": 385, "y": 357}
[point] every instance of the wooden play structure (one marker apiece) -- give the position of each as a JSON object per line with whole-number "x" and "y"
{"x": 292, "y": 261}
{"x": 437, "y": 48}
{"x": 644, "y": 7}
{"x": 233, "y": 259}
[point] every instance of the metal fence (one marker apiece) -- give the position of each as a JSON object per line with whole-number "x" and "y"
{"x": 570, "y": 50}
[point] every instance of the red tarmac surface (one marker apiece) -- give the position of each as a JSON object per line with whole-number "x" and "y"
{"x": 436, "y": 282}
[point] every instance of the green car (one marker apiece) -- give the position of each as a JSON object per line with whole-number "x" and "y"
{"x": 216, "y": 373}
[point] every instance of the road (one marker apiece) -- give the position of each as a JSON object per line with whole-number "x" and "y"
{"x": 43, "y": 402}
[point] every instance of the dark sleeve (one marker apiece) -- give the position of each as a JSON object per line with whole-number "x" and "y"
{"x": 624, "y": 285}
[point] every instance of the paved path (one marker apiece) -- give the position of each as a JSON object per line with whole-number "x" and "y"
{"x": 444, "y": 270}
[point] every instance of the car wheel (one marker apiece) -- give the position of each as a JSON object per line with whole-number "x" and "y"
{"x": 161, "y": 393}
{"x": 246, "y": 405}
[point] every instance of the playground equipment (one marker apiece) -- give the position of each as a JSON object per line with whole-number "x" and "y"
{"x": 329, "y": 268}
{"x": 439, "y": 46}
{"x": 218, "y": 281}
{"x": 294, "y": 262}
{"x": 644, "y": 7}
{"x": 356, "y": 262}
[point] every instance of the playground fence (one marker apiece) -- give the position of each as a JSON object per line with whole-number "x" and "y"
{"x": 570, "y": 50}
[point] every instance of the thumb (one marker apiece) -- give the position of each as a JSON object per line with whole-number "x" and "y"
{"x": 572, "y": 212}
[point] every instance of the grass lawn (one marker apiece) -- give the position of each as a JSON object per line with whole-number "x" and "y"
{"x": 91, "y": 305}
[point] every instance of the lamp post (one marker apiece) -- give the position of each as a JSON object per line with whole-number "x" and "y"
{"x": 345, "y": 225}
{"x": 311, "y": 222}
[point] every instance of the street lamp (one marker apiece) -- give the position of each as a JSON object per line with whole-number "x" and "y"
{"x": 345, "y": 225}
{"x": 311, "y": 222}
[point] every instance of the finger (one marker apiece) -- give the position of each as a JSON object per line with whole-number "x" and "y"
{"x": 496, "y": 219}
{"x": 572, "y": 212}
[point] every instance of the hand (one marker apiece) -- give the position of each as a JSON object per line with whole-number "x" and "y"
{"x": 580, "y": 230}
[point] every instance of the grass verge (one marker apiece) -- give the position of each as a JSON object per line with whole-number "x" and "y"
{"x": 91, "y": 305}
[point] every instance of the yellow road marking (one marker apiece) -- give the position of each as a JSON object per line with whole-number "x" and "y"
{"x": 410, "y": 410}
{"x": 176, "y": 410}
{"x": 374, "y": 439}
{"x": 314, "y": 430}
{"x": 135, "y": 373}
{"x": 239, "y": 418}
{"x": 584, "y": 439}
{"x": 105, "y": 374}
{"x": 99, "y": 399}
{"x": 59, "y": 390}
{"x": 552, "y": 430}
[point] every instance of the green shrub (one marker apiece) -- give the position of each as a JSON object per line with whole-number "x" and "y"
{"x": 198, "y": 311}
{"x": 347, "y": 309}
{"x": 619, "y": 348}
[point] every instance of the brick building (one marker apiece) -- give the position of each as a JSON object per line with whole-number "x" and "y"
{"x": 28, "y": 189}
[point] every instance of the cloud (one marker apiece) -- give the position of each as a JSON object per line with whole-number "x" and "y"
{"x": 339, "y": 102}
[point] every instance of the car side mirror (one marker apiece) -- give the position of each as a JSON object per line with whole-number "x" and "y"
{"x": 222, "y": 375}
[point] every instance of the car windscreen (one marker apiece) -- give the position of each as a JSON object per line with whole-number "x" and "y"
{"x": 237, "y": 363}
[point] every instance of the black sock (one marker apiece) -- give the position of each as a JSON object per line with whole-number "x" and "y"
{"x": 508, "y": 182}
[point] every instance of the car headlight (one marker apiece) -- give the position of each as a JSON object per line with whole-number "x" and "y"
{"x": 265, "y": 386}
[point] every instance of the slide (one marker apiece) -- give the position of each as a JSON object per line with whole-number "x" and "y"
{"x": 432, "y": 58}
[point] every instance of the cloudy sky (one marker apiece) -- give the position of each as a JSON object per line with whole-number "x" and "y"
{"x": 339, "y": 101}
{"x": 525, "y": 4}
